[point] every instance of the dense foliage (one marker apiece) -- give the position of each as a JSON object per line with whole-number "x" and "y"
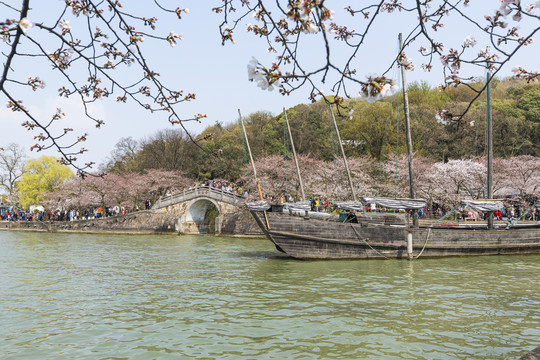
{"x": 367, "y": 129}
{"x": 41, "y": 176}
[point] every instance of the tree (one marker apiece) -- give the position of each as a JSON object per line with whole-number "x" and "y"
{"x": 168, "y": 149}
{"x": 458, "y": 179}
{"x": 129, "y": 190}
{"x": 41, "y": 176}
{"x": 12, "y": 160}
{"x": 123, "y": 156}
{"x": 322, "y": 179}
{"x": 312, "y": 130}
{"x": 89, "y": 45}
{"x": 522, "y": 175}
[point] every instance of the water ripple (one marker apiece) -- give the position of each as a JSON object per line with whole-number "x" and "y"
{"x": 179, "y": 297}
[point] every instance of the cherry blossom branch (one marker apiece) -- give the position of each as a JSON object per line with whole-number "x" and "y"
{"x": 122, "y": 49}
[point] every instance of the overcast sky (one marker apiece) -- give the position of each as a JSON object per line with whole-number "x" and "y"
{"x": 218, "y": 75}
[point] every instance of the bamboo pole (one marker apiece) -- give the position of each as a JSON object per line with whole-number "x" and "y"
{"x": 343, "y": 154}
{"x": 295, "y": 158}
{"x": 412, "y": 187}
{"x": 253, "y": 165}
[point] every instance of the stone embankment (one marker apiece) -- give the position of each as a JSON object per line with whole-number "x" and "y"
{"x": 239, "y": 223}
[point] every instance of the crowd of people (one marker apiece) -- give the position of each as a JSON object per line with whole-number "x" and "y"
{"x": 9, "y": 213}
{"x": 222, "y": 185}
{"x": 63, "y": 215}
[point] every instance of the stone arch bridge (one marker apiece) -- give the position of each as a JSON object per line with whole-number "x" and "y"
{"x": 201, "y": 210}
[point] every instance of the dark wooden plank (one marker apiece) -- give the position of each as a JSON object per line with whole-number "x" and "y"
{"x": 533, "y": 355}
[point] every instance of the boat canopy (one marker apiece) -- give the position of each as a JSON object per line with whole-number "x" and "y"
{"x": 298, "y": 206}
{"x": 350, "y": 205}
{"x": 484, "y": 204}
{"x": 258, "y": 205}
{"x": 384, "y": 202}
{"x": 409, "y": 204}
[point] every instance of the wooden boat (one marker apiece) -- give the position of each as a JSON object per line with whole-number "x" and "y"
{"x": 388, "y": 235}
{"x": 309, "y": 235}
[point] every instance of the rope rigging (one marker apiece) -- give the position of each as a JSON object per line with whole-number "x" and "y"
{"x": 286, "y": 157}
{"x": 246, "y": 160}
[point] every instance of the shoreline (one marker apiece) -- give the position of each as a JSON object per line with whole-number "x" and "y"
{"x": 145, "y": 222}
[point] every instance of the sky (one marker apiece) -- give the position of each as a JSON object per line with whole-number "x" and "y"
{"x": 218, "y": 74}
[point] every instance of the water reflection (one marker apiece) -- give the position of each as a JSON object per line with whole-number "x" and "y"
{"x": 92, "y": 296}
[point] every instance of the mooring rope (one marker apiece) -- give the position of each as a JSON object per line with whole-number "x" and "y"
{"x": 425, "y": 243}
{"x": 449, "y": 213}
{"x": 364, "y": 240}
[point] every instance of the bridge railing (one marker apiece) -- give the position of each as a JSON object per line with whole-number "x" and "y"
{"x": 200, "y": 191}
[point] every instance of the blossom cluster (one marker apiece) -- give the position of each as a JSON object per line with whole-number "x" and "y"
{"x": 61, "y": 58}
{"x": 25, "y": 25}
{"x": 303, "y": 12}
{"x": 452, "y": 60}
{"x": 36, "y": 83}
{"x": 405, "y": 62}
{"x": 65, "y": 26}
{"x": 377, "y": 87}
{"x": 445, "y": 117}
{"x": 469, "y": 41}
{"x": 172, "y": 37}
{"x": 265, "y": 79}
{"x": 521, "y": 73}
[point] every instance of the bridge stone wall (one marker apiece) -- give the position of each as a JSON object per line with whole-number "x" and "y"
{"x": 147, "y": 221}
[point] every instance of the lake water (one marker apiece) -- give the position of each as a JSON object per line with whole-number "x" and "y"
{"x": 77, "y": 296}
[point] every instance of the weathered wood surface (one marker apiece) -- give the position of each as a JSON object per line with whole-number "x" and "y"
{"x": 533, "y": 355}
{"x": 304, "y": 237}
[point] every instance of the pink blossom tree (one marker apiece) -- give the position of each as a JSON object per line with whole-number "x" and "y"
{"x": 457, "y": 179}
{"x": 522, "y": 176}
{"x": 276, "y": 177}
{"x": 322, "y": 179}
{"x": 71, "y": 194}
{"x": 397, "y": 177}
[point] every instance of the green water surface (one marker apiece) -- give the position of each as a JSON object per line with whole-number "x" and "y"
{"x": 77, "y": 296}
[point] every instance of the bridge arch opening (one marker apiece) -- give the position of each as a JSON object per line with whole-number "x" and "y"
{"x": 202, "y": 214}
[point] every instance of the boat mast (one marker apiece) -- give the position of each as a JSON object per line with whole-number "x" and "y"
{"x": 343, "y": 154}
{"x": 295, "y": 158}
{"x": 412, "y": 187}
{"x": 250, "y": 156}
{"x": 489, "y": 153}
{"x": 254, "y": 169}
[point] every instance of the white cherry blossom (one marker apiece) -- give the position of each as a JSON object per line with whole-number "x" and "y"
{"x": 25, "y": 25}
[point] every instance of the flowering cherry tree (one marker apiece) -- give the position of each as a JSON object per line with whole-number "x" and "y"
{"x": 521, "y": 175}
{"x": 503, "y": 29}
{"x": 91, "y": 46}
{"x": 457, "y": 179}
{"x": 127, "y": 190}
{"x": 322, "y": 179}
{"x": 397, "y": 177}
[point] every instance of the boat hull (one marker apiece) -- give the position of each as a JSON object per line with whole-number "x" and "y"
{"x": 307, "y": 237}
